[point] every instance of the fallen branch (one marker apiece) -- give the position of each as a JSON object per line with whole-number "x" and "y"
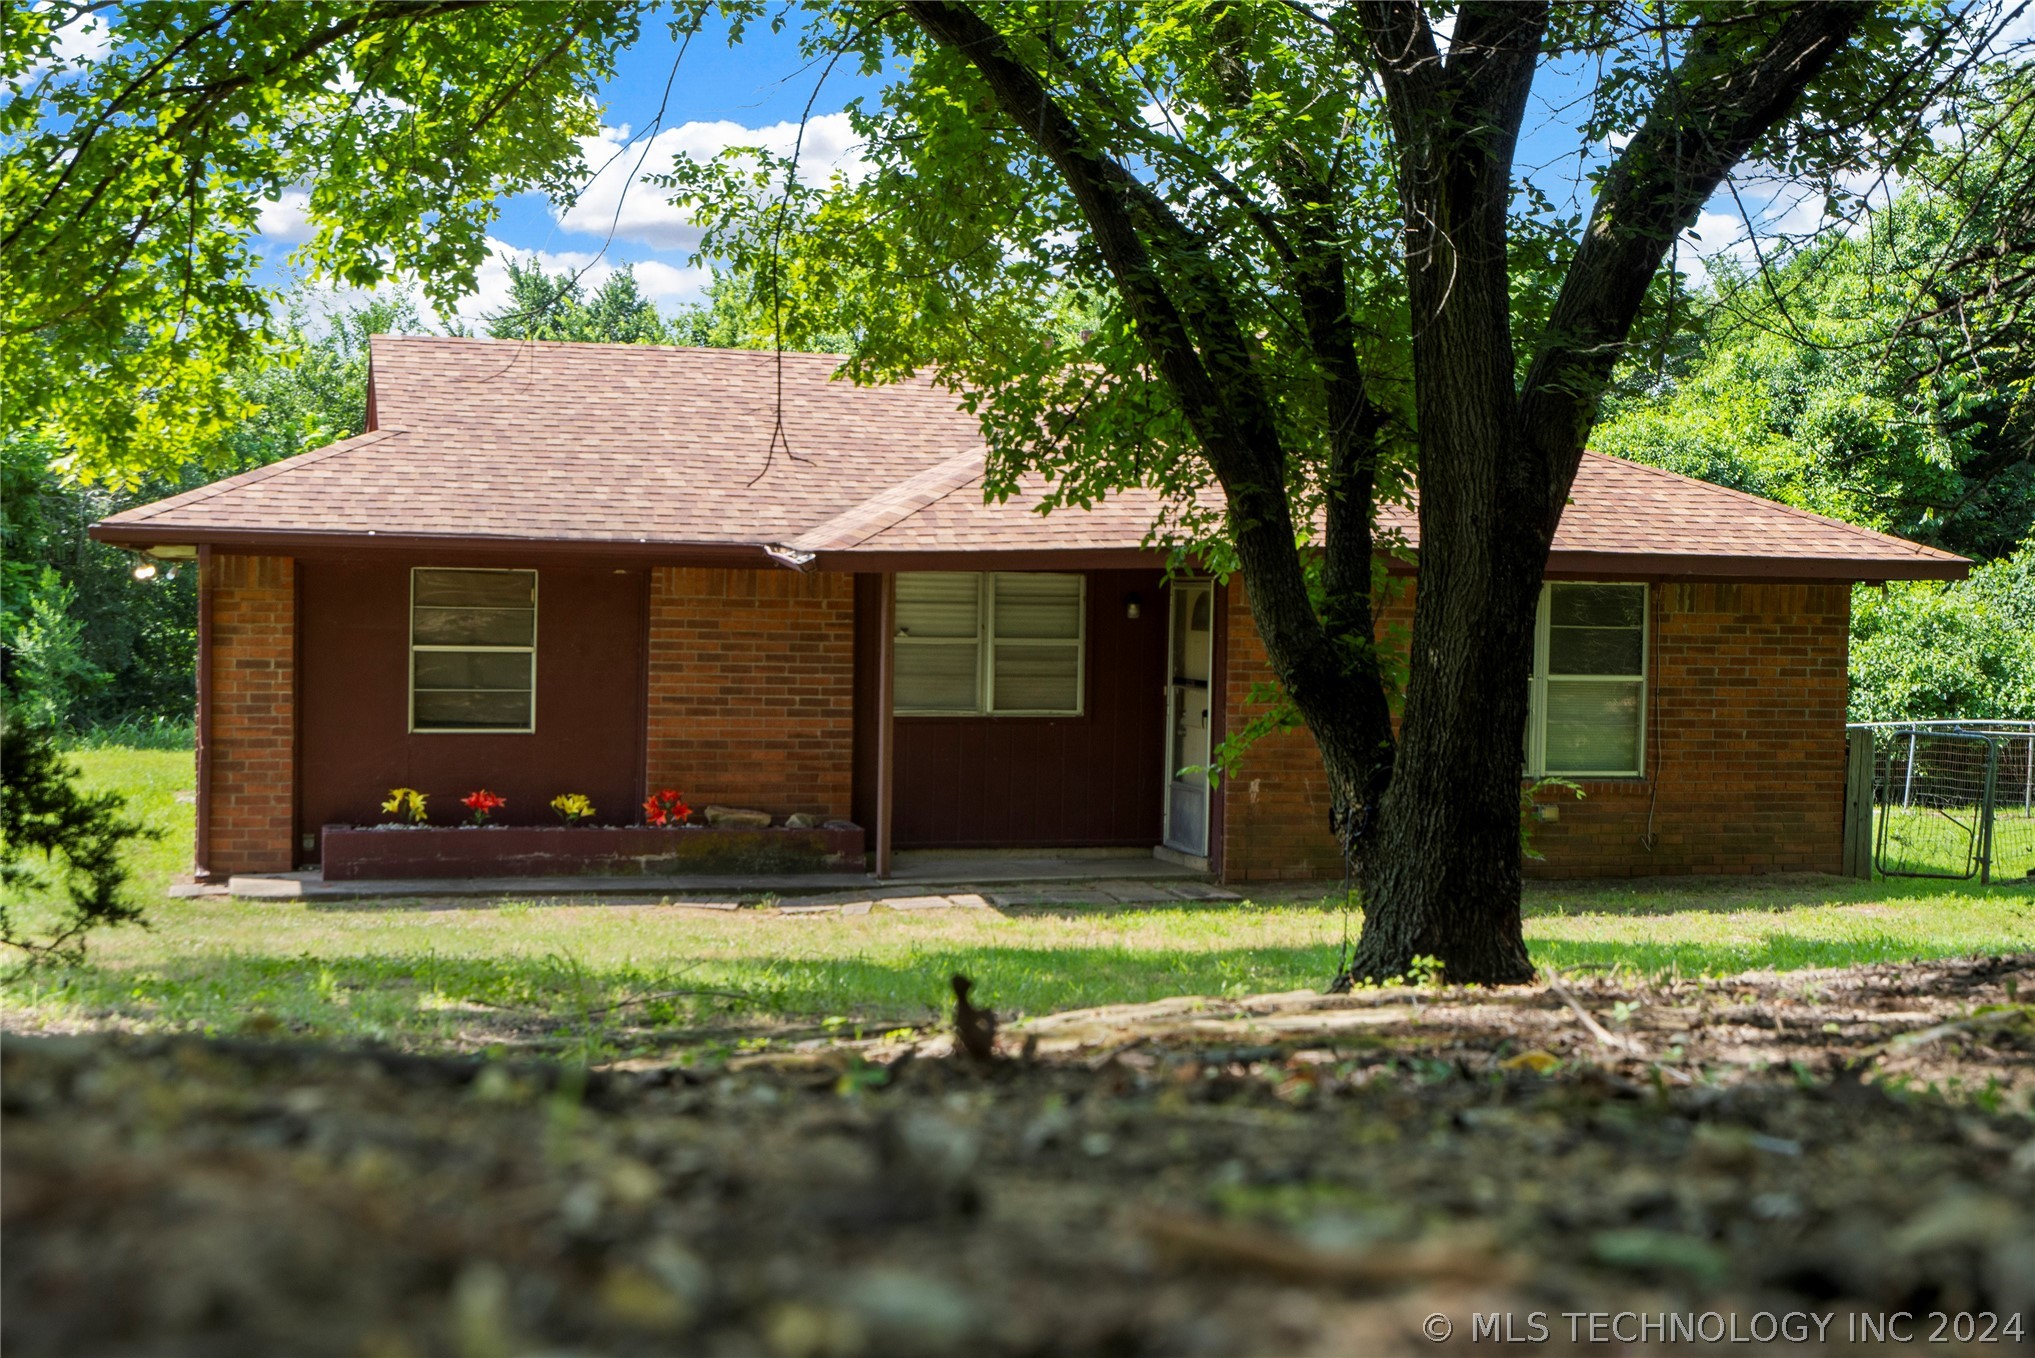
{"x": 1597, "y": 1030}
{"x": 1236, "y": 1245}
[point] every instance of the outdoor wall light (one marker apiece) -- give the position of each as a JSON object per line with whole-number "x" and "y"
{"x": 1133, "y": 607}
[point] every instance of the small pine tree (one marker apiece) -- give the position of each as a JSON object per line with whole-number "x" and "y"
{"x": 77, "y": 836}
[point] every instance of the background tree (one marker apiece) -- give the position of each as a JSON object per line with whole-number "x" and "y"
{"x": 87, "y": 648}
{"x": 1318, "y": 277}
{"x": 1887, "y": 377}
{"x": 1963, "y": 651}
{"x": 556, "y": 307}
{"x": 737, "y": 314}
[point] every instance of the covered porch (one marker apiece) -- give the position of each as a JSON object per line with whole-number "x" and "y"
{"x": 1125, "y": 876}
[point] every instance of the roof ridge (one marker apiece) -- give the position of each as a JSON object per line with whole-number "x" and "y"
{"x": 1918, "y": 548}
{"x": 252, "y": 476}
{"x": 892, "y": 505}
{"x": 491, "y": 341}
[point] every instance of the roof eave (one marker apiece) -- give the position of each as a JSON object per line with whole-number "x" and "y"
{"x": 991, "y": 559}
{"x": 1681, "y": 565}
{"x": 1578, "y": 564}
{"x": 297, "y": 542}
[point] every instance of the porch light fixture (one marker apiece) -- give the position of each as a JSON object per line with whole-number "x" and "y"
{"x": 1133, "y": 607}
{"x": 790, "y": 556}
{"x": 144, "y": 570}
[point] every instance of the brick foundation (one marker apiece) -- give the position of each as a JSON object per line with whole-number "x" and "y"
{"x": 751, "y": 688}
{"x": 1745, "y": 749}
{"x": 250, "y": 721}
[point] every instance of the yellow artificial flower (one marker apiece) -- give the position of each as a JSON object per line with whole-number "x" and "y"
{"x": 573, "y": 807}
{"x": 405, "y": 801}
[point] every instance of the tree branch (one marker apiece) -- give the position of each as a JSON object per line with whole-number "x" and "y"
{"x": 1712, "y": 111}
{"x": 1199, "y": 348}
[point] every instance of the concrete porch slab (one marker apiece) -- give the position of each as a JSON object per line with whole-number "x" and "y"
{"x": 917, "y": 877}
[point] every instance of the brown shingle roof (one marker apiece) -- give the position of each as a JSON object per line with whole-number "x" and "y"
{"x": 649, "y": 448}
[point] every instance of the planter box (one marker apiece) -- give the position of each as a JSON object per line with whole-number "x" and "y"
{"x": 353, "y": 854}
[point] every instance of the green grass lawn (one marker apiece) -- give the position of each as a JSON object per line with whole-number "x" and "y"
{"x": 600, "y": 977}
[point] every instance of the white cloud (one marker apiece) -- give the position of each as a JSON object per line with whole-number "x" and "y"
{"x": 85, "y": 38}
{"x": 665, "y": 284}
{"x": 617, "y": 198}
{"x": 1771, "y": 215}
{"x": 668, "y": 285}
{"x": 287, "y": 221}
{"x": 2018, "y": 31}
{"x": 80, "y": 42}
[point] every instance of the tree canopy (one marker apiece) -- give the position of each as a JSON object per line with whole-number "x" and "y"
{"x": 86, "y": 646}
{"x": 1887, "y": 376}
{"x": 144, "y": 142}
{"x": 551, "y": 306}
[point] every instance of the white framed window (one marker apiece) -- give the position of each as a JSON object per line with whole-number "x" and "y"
{"x": 1587, "y": 714}
{"x": 1001, "y": 643}
{"x": 473, "y": 650}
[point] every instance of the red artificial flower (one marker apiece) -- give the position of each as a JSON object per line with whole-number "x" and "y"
{"x": 665, "y": 807}
{"x": 483, "y": 804}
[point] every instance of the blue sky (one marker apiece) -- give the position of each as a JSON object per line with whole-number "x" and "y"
{"x": 757, "y": 93}
{"x": 721, "y": 96}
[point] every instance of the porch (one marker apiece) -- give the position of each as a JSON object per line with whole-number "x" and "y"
{"x": 1127, "y": 876}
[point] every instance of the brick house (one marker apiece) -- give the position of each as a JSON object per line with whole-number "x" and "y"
{"x": 593, "y": 568}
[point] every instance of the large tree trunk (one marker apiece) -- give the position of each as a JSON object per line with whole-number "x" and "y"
{"x": 1441, "y": 863}
{"x": 1440, "y": 875}
{"x": 1440, "y": 867}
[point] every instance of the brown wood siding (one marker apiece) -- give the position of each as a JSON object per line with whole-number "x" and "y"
{"x": 1020, "y": 782}
{"x": 354, "y": 686}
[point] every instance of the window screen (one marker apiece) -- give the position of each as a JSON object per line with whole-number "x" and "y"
{"x": 1008, "y": 644}
{"x": 938, "y": 657}
{"x": 473, "y": 650}
{"x": 1592, "y": 686}
{"x": 1036, "y": 626}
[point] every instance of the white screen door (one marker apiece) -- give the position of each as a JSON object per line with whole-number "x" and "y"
{"x": 1190, "y": 651}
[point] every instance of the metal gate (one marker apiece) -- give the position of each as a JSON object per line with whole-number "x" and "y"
{"x": 1951, "y": 800}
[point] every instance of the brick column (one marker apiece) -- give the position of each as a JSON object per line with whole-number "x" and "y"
{"x": 249, "y": 725}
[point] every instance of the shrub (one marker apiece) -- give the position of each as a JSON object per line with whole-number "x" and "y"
{"x": 1965, "y": 650}
{"x": 49, "y": 674}
{"x": 76, "y": 836}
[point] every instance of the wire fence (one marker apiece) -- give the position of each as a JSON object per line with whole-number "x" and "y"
{"x": 1952, "y": 799}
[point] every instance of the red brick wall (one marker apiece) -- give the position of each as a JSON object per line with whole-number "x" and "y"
{"x": 1745, "y": 750}
{"x": 1275, "y": 809}
{"x": 1745, "y": 759}
{"x": 251, "y": 716}
{"x": 752, "y": 687}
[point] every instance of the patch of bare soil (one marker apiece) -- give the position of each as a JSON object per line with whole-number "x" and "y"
{"x": 1294, "y": 1175}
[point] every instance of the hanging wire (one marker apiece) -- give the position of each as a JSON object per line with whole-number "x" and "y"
{"x": 778, "y": 437}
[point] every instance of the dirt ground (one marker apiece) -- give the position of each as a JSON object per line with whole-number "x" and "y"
{"x": 1775, "y": 1162}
